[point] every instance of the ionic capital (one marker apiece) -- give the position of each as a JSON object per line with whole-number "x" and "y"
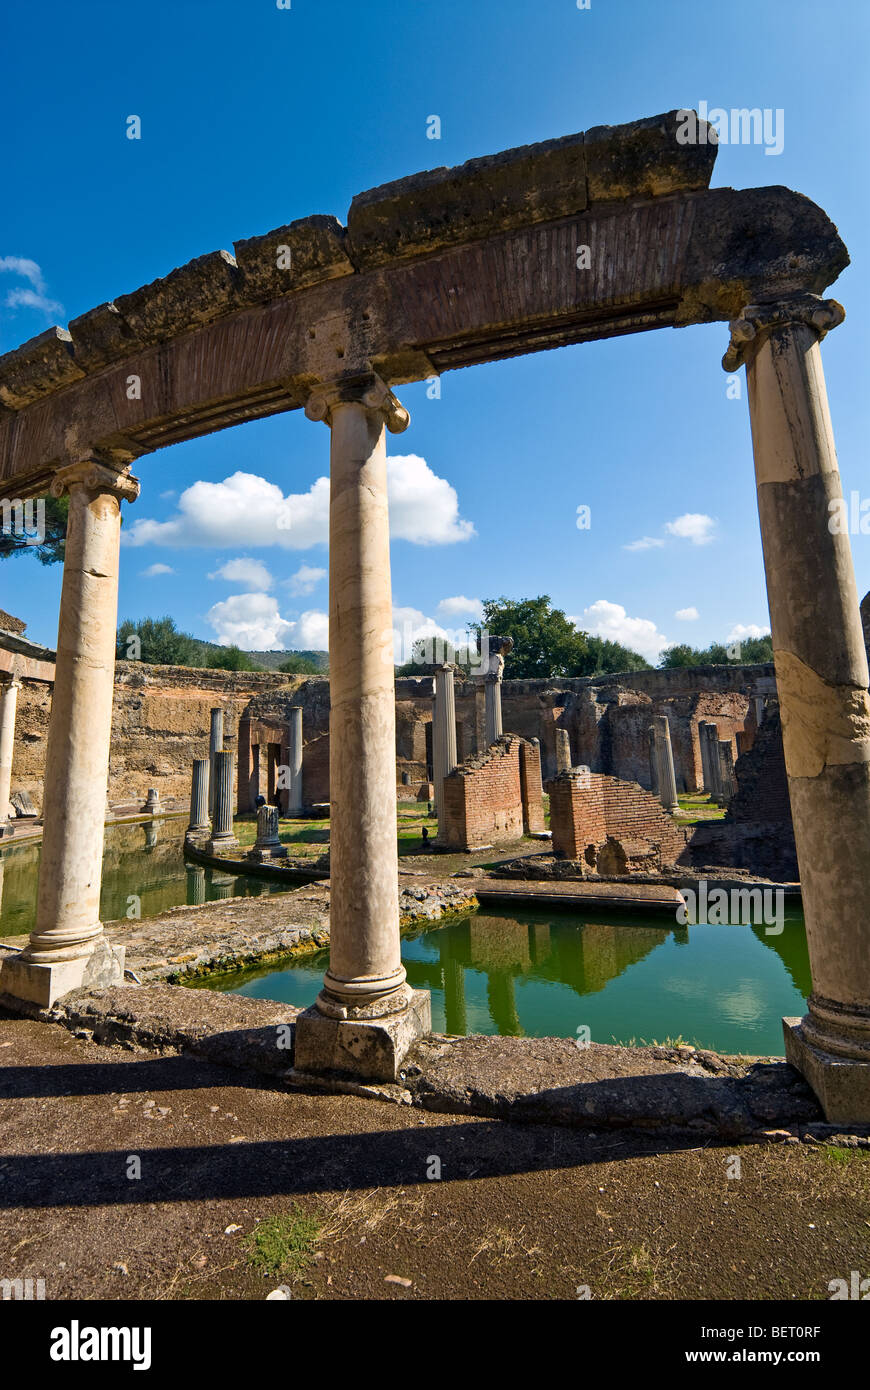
{"x": 368, "y": 391}
{"x": 95, "y": 478}
{"x": 756, "y": 319}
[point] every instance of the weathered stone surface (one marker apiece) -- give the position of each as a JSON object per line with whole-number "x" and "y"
{"x": 41, "y": 365}
{"x": 519, "y": 187}
{"x": 601, "y": 1086}
{"x": 371, "y": 1050}
{"x": 755, "y": 243}
{"x": 317, "y": 252}
{"x": 644, "y": 158}
{"x": 100, "y": 336}
{"x": 203, "y": 289}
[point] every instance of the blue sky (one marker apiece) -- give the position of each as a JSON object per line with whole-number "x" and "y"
{"x": 252, "y": 116}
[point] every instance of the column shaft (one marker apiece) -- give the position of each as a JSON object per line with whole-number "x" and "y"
{"x": 443, "y": 737}
{"x": 8, "y": 704}
{"x": 215, "y": 746}
{"x": 199, "y": 795}
{"x": 494, "y": 727}
{"x": 222, "y": 833}
{"x": 821, "y": 675}
{"x": 665, "y": 763}
{"x": 294, "y": 792}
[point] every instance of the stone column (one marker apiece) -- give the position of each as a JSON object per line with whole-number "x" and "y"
{"x": 665, "y": 763}
{"x": 222, "y": 833}
{"x": 726, "y": 770}
{"x": 294, "y": 747}
{"x": 366, "y": 1015}
{"x": 705, "y": 756}
{"x": 198, "y": 823}
{"x": 443, "y": 738}
{"x": 653, "y": 762}
{"x": 563, "y": 751}
{"x": 67, "y": 948}
{"x": 494, "y": 728}
{"x": 196, "y": 887}
{"x": 8, "y": 704}
{"x": 822, "y": 679}
{"x": 267, "y": 845}
{"x": 710, "y": 736}
{"x": 215, "y": 746}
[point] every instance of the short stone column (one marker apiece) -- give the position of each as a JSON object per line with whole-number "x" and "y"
{"x": 152, "y": 801}
{"x": 67, "y": 948}
{"x": 196, "y": 883}
{"x": 726, "y": 770}
{"x": 665, "y": 763}
{"x": 443, "y": 737}
{"x": 294, "y": 753}
{"x": 705, "y": 756}
{"x": 366, "y": 1016}
{"x": 492, "y": 709}
{"x": 8, "y": 705}
{"x": 199, "y": 823}
{"x": 563, "y": 751}
{"x": 822, "y": 680}
{"x": 215, "y": 746}
{"x": 710, "y": 736}
{"x": 222, "y": 832}
{"x": 267, "y": 845}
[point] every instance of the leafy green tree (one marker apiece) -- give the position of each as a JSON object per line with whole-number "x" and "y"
{"x": 546, "y": 642}
{"x": 50, "y": 550}
{"x": 230, "y": 658}
{"x": 158, "y": 642}
{"x": 748, "y": 651}
{"x": 298, "y": 665}
{"x": 605, "y": 657}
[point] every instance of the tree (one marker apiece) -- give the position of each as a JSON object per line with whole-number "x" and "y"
{"x": 746, "y": 652}
{"x": 546, "y": 642}
{"x": 228, "y": 659}
{"x": 298, "y": 665}
{"x": 158, "y": 642}
{"x": 50, "y": 550}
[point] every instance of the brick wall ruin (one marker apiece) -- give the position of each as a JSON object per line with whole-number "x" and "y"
{"x": 493, "y": 796}
{"x": 612, "y": 826}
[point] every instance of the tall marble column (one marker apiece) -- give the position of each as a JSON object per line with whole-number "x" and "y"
{"x": 215, "y": 746}
{"x": 653, "y": 761}
{"x": 494, "y": 727}
{"x": 294, "y": 749}
{"x": 443, "y": 737}
{"x": 198, "y": 823}
{"x": 67, "y": 947}
{"x": 705, "y": 756}
{"x": 366, "y": 1015}
{"x": 8, "y": 705}
{"x": 223, "y": 836}
{"x": 822, "y": 681}
{"x": 665, "y": 763}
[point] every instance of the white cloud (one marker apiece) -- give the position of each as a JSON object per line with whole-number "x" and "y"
{"x": 305, "y": 580}
{"x": 645, "y": 543}
{"x": 610, "y": 620}
{"x": 252, "y": 622}
{"x": 740, "y": 630}
{"x": 423, "y": 507}
{"x": 252, "y": 573}
{"x": 687, "y": 615}
{"x": 170, "y": 492}
{"x": 692, "y": 526}
{"x": 153, "y": 570}
{"x": 27, "y": 269}
{"x": 247, "y": 510}
{"x": 460, "y": 604}
{"x": 311, "y": 633}
{"x": 29, "y": 299}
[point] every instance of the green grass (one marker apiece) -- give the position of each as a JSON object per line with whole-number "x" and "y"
{"x": 840, "y": 1156}
{"x": 283, "y": 1245}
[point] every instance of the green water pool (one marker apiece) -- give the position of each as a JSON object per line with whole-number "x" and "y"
{"x": 626, "y": 979}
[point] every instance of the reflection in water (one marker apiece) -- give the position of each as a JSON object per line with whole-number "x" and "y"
{"x": 144, "y": 858}
{"x": 535, "y": 975}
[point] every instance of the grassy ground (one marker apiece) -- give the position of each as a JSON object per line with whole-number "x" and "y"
{"x": 698, "y": 807}
{"x": 244, "y": 1189}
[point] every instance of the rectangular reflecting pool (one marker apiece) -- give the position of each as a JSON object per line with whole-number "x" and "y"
{"x": 626, "y": 979}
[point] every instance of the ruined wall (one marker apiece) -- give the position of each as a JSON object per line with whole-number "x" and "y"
{"x": 483, "y": 802}
{"x": 590, "y": 812}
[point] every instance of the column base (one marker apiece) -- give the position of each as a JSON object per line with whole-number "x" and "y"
{"x": 265, "y": 853}
{"x": 223, "y": 846}
{"x": 841, "y": 1084}
{"x": 45, "y": 984}
{"x": 360, "y": 1049}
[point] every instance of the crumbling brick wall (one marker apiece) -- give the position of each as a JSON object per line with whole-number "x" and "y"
{"x": 590, "y": 811}
{"x": 483, "y": 797}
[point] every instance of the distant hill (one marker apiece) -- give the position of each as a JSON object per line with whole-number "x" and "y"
{"x": 272, "y": 661}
